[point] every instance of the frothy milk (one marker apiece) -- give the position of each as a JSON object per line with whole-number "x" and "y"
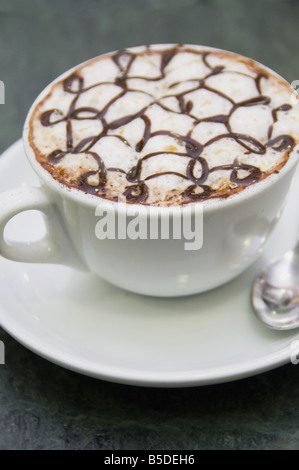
{"x": 165, "y": 125}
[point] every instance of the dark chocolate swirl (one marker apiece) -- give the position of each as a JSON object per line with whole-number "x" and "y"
{"x": 240, "y": 174}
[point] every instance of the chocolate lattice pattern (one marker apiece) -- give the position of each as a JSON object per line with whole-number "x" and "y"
{"x": 178, "y": 98}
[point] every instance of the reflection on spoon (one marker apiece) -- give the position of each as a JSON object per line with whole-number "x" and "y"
{"x": 275, "y": 292}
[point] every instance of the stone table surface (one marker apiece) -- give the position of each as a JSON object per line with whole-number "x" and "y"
{"x": 44, "y": 406}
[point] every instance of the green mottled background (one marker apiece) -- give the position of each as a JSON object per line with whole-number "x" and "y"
{"x": 45, "y": 407}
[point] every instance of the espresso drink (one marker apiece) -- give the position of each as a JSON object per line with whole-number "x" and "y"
{"x": 165, "y": 125}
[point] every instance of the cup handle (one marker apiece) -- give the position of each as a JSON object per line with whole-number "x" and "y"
{"x": 55, "y": 247}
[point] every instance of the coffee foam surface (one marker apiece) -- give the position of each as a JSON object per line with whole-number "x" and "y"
{"x": 165, "y": 125}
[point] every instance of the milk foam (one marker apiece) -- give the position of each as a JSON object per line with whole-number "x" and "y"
{"x": 165, "y": 125}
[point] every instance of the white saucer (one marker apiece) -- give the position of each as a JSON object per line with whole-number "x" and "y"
{"x": 84, "y": 324}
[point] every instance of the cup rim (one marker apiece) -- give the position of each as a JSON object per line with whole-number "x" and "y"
{"x": 251, "y": 192}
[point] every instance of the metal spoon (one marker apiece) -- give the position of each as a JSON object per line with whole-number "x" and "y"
{"x": 275, "y": 292}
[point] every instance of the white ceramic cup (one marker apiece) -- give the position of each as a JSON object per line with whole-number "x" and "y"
{"x": 233, "y": 231}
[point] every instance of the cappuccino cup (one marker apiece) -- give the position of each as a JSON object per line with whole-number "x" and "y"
{"x": 163, "y": 169}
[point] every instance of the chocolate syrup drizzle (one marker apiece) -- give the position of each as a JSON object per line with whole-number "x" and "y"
{"x": 137, "y": 189}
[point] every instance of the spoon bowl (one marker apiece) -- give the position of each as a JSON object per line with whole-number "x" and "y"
{"x": 275, "y": 293}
